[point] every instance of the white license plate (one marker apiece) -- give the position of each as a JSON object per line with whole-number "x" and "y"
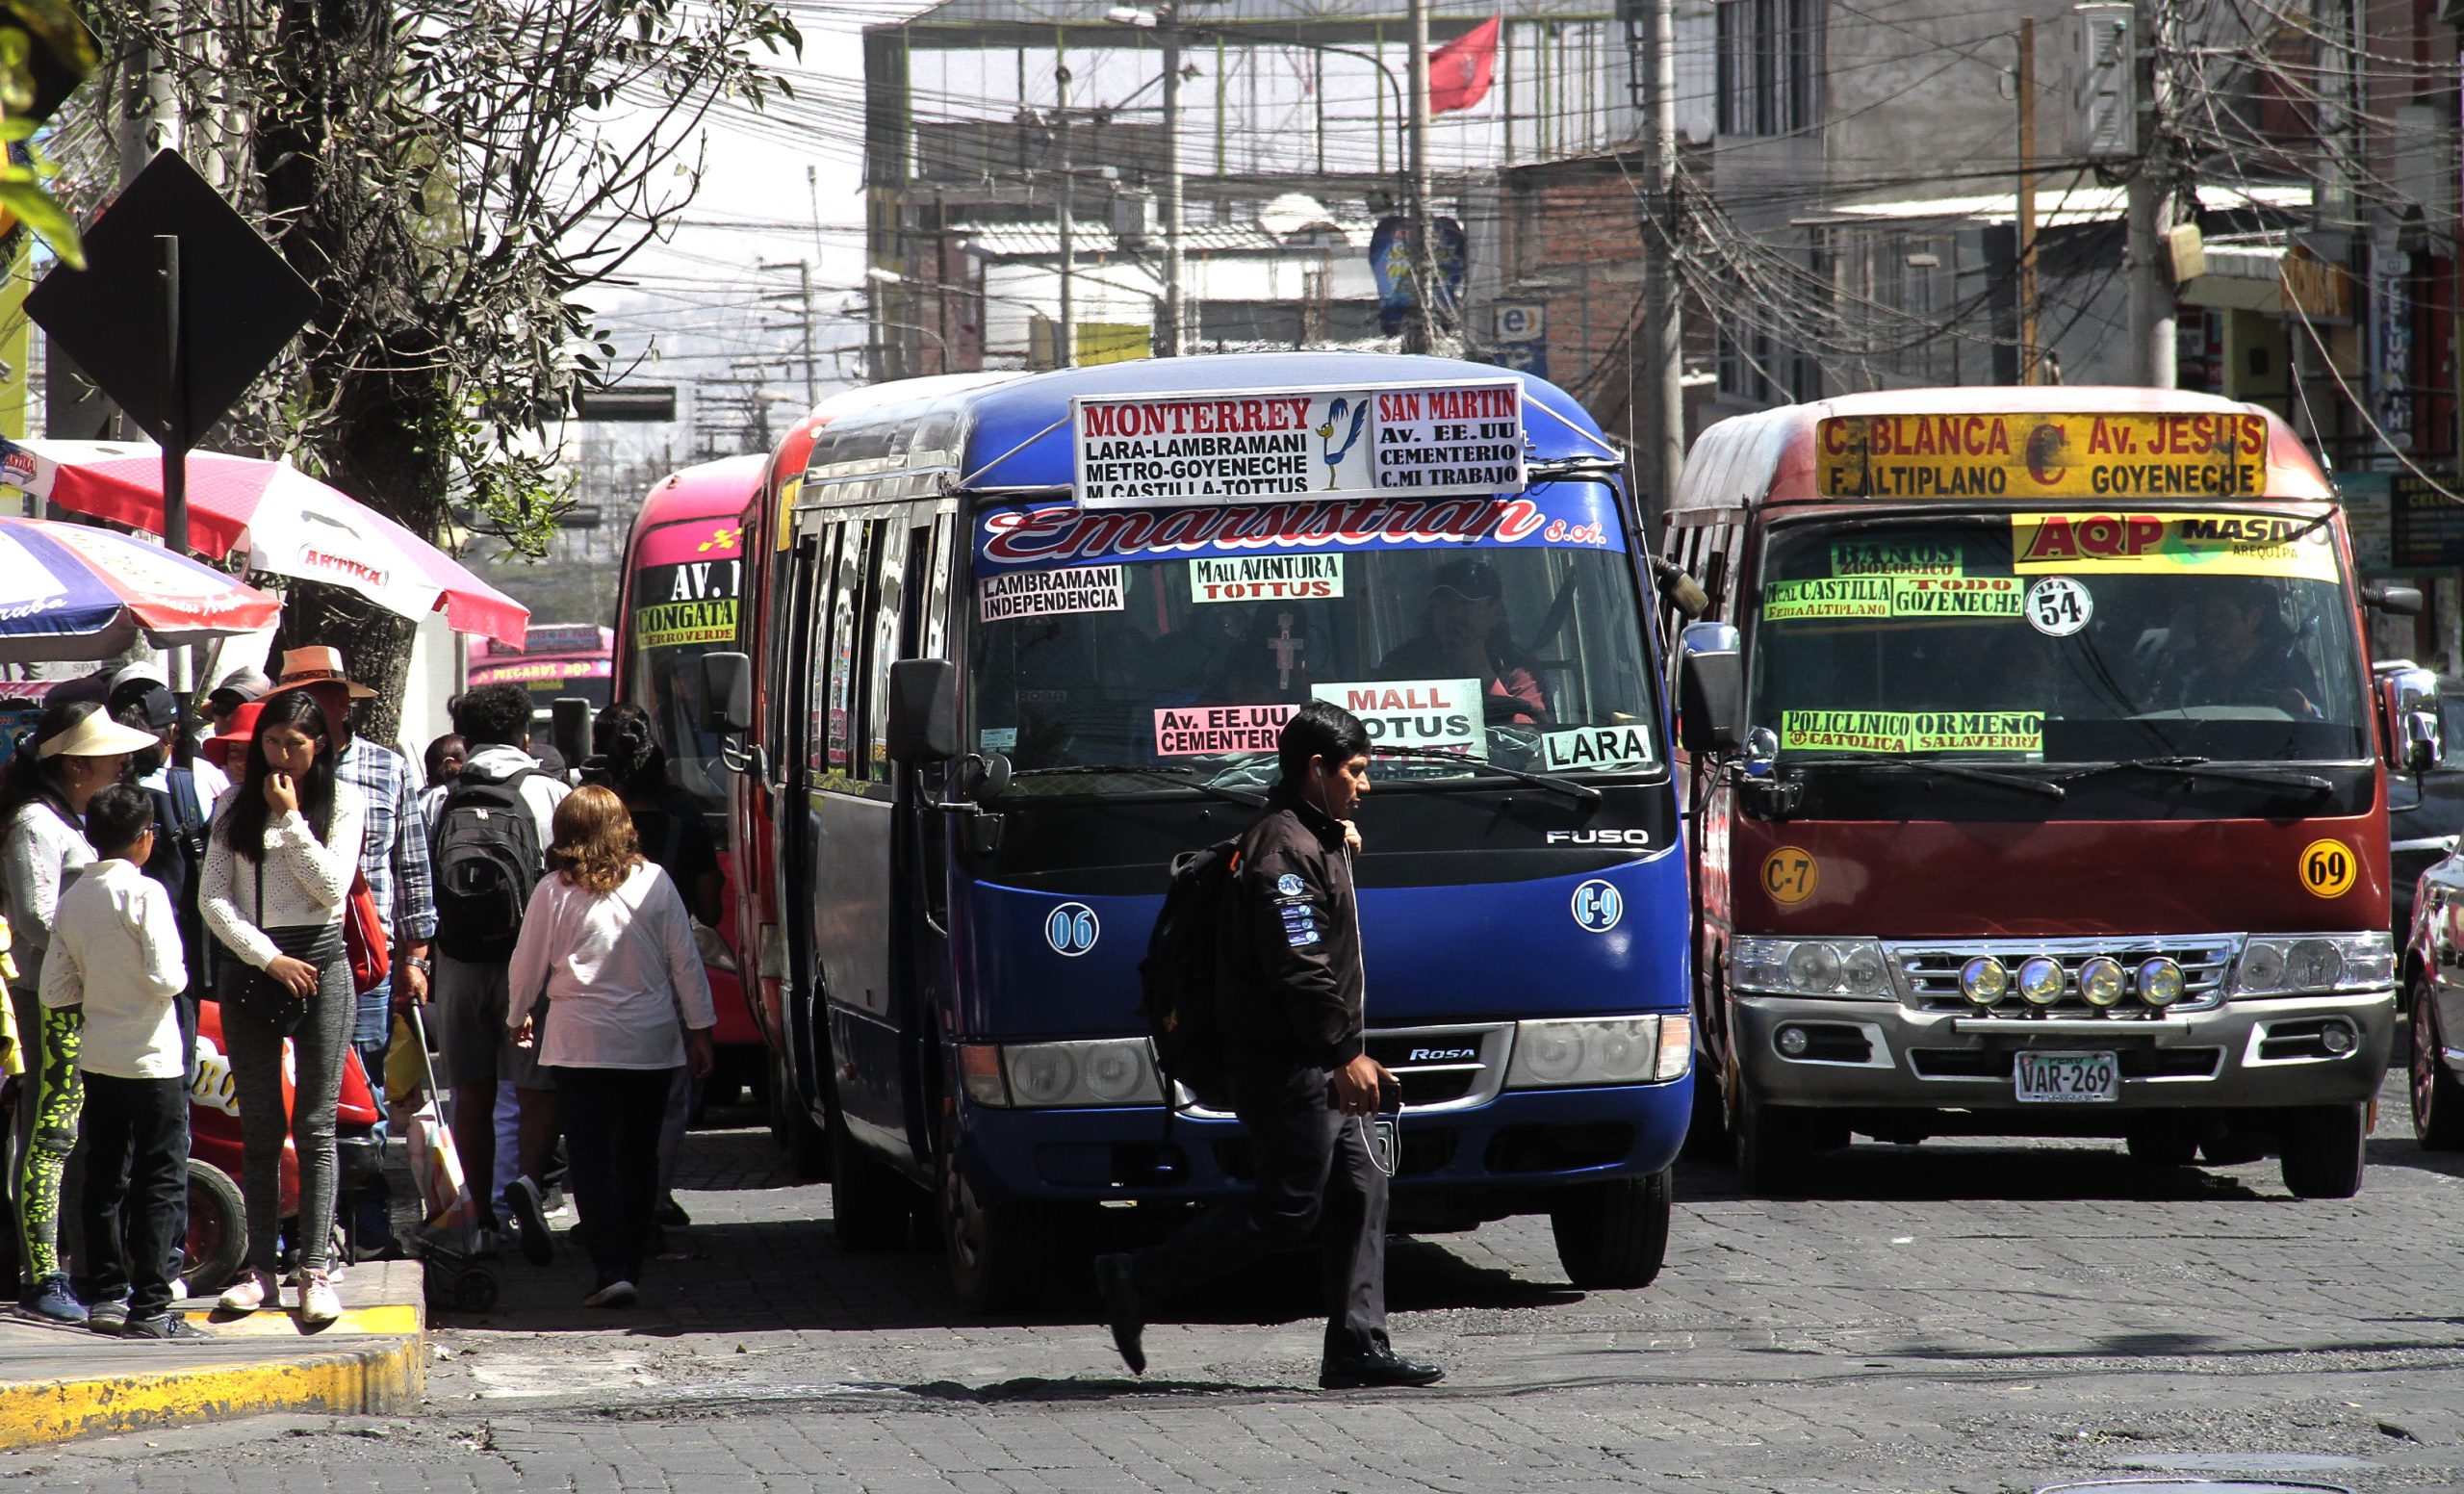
{"x": 2066, "y": 1078}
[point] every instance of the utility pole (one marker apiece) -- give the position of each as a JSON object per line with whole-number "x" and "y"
{"x": 1420, "y": 330}
{"x": 1066, "y": 338}
{"x": 804, "y": 302}
{"x": 2150, "y": 214}
{"x": 2030, "y": 356}
{"x": 1170, "y": 333}
{"x": 1661, "y": 357}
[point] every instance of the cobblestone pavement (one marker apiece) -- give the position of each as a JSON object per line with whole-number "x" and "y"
{"x": 1957, "y": 1316}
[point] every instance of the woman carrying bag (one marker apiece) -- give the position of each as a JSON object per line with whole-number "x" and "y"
{"x": 608, "y": 938}
{"x": 278, "y": 868}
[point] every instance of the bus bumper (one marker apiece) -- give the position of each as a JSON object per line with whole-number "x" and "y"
{"x": 2249, "y": 1054}
{"x": 1524, "y": 1142}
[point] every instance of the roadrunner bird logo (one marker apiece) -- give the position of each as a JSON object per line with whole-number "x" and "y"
{"x": 1333, "y": 453}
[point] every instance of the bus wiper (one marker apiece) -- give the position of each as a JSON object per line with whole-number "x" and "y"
{"x": 1958, "y": 770}
{"x": 1186, "y": 778}
{"x": 2203, "y": 767}
{"x": 1564, "y": 785}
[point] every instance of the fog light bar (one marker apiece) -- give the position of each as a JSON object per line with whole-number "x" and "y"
{"x": 2101, "y": 982}
{"x": 2040, "y": 980}
{"x": 1984, "y": 981}
{"x": 2159, "y": 983}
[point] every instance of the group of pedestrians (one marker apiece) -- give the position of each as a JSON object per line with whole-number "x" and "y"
{"x": 279, "y": 870}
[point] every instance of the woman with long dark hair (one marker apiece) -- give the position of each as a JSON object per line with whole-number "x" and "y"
{"x": 74, "y": 751}
{"x": 608, "y": 943}
{"x": 278, "y": 869}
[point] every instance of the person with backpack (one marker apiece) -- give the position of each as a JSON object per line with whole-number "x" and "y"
{"x": 488, "y": 849}
{"x": 279, "y": 864}
{"x": 1285, "y": 994}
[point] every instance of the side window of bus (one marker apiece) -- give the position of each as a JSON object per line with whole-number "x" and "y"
{"x": 836, "y": 658}
{"x": 819, "y": 558}
{"x": 931, "y": 638}
{"x": 884, "y": 595}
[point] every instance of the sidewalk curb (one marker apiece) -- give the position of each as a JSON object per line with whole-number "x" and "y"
{"x": 375, "y": 1375}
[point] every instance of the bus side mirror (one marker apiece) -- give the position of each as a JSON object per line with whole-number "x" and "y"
{"x": 1711, "y": 690}
{"x": 2395, "y": 600}
{"x": 923, "y": 710}
{"x": 2411, "y": 700}
{"x": 569, "y": 728}
{"x": 726, "y": 685}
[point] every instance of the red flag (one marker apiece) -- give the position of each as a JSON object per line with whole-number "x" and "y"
{"x": 1459, "y": 72}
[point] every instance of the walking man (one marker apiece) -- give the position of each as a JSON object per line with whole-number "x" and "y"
{"x": 1289, "y": 999}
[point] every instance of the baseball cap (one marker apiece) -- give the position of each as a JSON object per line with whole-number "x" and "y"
{"x": 1473, "y": 580}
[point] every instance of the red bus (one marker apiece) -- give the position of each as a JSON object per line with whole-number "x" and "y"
{"x": 2044, "y": 787}
{"x": 555, "y": 660}
{"x": 684, "y": 574}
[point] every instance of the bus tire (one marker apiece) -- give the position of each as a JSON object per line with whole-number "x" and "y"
{"x": 1613, "y": 1235}
{"x": 804, "y": 1145}
{"x": 1772, "y": 1144}
{"x": 2438, "y": 1100}
{"x": 869, "y": 1204}
{"x": 217, "y": 1241}
{"x": 1001, "y": 1255}
{"x": 1707, "y": 1130}
{"x": 2325, "y": 1149}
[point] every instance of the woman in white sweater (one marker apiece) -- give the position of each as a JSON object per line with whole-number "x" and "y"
{"x": 607, "y": 941}
{"x": 278, "y": 869}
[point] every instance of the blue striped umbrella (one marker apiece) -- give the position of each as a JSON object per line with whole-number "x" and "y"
{"x": 73, "y": 591}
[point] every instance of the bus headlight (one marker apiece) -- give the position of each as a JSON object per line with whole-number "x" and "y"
{"x": 1853, "y": 968}
{"x": 1107, "y": 1071}
{"x": 2297, "y": 964}
{"x": 2100, "y": 981}
{"x": 1599, "y": 1050}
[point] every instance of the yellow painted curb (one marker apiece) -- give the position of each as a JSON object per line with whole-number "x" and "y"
{"x": 374, "y": 1378}
{"x": 386, "y": 1319}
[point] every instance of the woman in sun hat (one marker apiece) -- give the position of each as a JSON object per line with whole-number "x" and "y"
{"x": 73, "y": 753}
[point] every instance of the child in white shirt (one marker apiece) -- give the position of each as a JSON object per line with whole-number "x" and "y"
{"x": 115, "y": 953}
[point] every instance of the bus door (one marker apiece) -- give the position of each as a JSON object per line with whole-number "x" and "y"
{"x": 782, "y": 806}
{"x": 926, "y": 985}
{"x": 849, "y": 886}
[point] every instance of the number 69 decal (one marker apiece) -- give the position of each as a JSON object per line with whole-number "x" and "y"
{"x": 2328, "y": 868}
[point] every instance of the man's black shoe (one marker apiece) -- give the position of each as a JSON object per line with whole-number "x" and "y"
{"x": 1385, "y": 1367}
{"x": 1115, "y": 1279}
{"x": 531, "y": 1220}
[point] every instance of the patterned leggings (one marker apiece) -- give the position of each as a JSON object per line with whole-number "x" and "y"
{"x": 58, "y": 1099}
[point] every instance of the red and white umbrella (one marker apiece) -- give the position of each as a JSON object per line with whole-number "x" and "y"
{"x": 79, "y": 591}
{"x": 292, "y": 523}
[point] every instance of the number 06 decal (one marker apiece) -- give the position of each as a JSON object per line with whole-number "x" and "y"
{"x": 2328, "y": 868}
{"x": 1789, "y": 875}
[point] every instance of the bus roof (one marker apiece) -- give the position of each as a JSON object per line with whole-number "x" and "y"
{"x": 1014, "y": 435}
{"x": 707, "y": 490}
{"x": 1770, "y": 456}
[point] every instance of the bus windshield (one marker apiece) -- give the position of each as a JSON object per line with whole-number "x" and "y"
{"x": 1178, "y": 642}
{"x": 2059, "y": 638}
{"x": 682, "y": 609}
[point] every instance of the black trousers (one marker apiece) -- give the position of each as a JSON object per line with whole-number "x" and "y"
{"x": 136, "y": 1188}
{"x": 611, "y": 1120}
{"x": 1314, "y": 1177}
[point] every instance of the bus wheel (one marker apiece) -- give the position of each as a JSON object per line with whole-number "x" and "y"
{"x": 869, "y": 1203}
{"x": 1772, "y": 1142}
{"x": 2323, "y": 1149}
{"x": 807, "y": 1148}
{"x": 217, "y": 1242}
{"x": 1613, "y": 1234}
{"x": 1001, "y": 1254}
{"x": 2438, "y": 1100}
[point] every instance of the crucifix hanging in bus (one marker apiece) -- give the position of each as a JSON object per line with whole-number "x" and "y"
{"x": 1286, "y": 649}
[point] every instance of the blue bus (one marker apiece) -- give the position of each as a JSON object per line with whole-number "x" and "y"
{"x": 1024, "y": 642}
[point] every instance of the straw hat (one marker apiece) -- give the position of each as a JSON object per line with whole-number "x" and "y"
{"x": 96, "y": 735}
{"x": 305, "y": 667}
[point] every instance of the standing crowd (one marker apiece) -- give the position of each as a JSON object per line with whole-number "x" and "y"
{"x": 302, "y": 878}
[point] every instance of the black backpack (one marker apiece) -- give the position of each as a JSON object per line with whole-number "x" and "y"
{"x": 1179, "y": 974}
{"x": 487, "y": 858}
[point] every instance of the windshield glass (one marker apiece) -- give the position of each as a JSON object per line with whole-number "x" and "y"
{"x": 2059, "y": 638}
{"x": 1498, "y": 630}
{"x": 684, "y": 605}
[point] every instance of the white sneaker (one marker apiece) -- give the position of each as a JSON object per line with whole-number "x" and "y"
{"x": 254, "y": 1292}
{"x": 615, "y": 1294}
{"x": 318, "y": 1306}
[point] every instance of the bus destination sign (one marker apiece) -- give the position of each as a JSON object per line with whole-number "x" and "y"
{"x": 1193, "y": 449}
{"x": 2135, "y": 455}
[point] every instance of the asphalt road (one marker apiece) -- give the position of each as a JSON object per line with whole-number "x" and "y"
{"x": 1959, "y": 1316}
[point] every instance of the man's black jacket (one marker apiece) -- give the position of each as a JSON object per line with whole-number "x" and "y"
{"x": 1289, "y": 978}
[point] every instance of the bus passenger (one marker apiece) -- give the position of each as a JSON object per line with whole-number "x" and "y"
{"x": 1467, "y": 638}
{"x": 1291, "y": 1001}
{"x": 2241, "y": 653}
